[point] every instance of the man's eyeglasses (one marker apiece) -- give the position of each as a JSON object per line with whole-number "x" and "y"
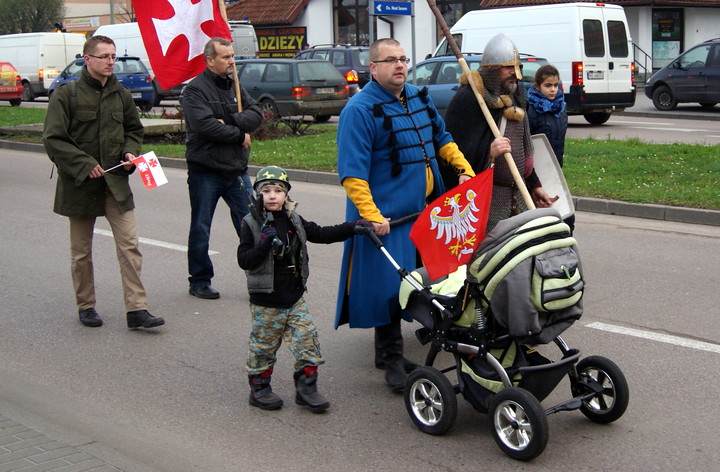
{"x": 105, "y": 58}
{"x": 393, "y": 60}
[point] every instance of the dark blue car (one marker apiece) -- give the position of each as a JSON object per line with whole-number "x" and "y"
{"x": 441, "y": 75}
{"x": 129, "y": 70}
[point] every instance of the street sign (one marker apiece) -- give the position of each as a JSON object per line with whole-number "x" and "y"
{"x": 392, "y": 8}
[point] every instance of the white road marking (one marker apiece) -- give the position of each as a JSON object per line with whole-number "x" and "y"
{"x": 684, "y": 130}
{"x": 642, "y": 122}
{"x": 153, "y": 242}
{"x": 663, "y": 338}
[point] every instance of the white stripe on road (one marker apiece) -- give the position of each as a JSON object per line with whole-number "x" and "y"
{"x": 153, "y": 242}
{"x": 663, "y": 338}
{"x": 642, "y": 122}
{"x": 684, "y": 130}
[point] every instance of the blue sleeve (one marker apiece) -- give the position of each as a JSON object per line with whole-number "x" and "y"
{"x": 355, "y": 137}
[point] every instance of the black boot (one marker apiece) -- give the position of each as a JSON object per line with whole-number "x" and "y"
{"x": 408, "y": 365}
{"x": 390, "y": 339}
{"x": 307, "y": 394}
{"x": 261, "y": 394}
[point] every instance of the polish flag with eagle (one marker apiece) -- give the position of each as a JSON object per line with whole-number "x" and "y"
{"x": 449, "y": 230}
{"x": 175, "y": 32}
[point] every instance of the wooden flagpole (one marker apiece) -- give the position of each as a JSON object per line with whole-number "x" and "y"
{"x": 236, "y": 81}
{"x": 519, "y": 181}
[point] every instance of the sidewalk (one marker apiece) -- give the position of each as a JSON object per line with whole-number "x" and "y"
{"x": 25, "y": 449}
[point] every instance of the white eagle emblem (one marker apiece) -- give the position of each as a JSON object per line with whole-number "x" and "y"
{"x": 458, "y": 226}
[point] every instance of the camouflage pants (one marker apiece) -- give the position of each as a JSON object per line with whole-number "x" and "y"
{"x": 271, "y": 325}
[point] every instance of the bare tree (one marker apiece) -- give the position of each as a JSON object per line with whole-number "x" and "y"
{"x": 124, "y": 12}
{"x": 27, "y": 16}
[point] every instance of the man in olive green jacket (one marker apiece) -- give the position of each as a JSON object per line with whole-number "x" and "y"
{"x": 92, "y": 125}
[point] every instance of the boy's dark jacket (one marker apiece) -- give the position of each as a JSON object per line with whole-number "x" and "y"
{"x": 279, "y": 282}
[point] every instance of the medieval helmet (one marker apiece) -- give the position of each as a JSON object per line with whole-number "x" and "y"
{"x": 501, "y": 51}
{"x": 271, "y": 175}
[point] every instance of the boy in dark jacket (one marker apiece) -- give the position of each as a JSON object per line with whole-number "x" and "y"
{"x": 273, "y": 253}
{"x": 547, "y": 115}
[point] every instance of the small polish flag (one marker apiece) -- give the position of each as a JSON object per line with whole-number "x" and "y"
{"x": 150, "y": 170}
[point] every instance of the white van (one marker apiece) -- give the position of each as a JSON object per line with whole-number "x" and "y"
{"x": 245, "y": 42}
{"x": 128, "y": 41}
{"x": 40, "y": 57}
{"x": 589, "y": 43}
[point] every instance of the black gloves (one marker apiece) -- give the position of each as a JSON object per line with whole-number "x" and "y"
{"x": 267, "y": 235}
{"x": 363, "y": 226}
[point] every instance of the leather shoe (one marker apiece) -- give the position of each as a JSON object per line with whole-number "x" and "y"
{"x": 89, "y": 317}
{"x": 204, "y": 291}
{"x": 143, "y": 319}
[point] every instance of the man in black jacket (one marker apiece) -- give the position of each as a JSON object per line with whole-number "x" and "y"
{"x": 218, "y": 149}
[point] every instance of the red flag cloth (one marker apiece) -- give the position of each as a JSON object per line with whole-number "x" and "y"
{"x": 175, "y": 32}
{"x": 150, "y": 170}
{"x": 449, "y": 230}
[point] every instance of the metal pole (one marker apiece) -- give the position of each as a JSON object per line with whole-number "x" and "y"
{"x": 412, "y": 32}
{"x": 371, "y": 23}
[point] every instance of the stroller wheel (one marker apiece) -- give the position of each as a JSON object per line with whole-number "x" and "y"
{"x": 519, "y": 425}
{"x": 603, "y": 376}
{"x": 430, "y": 400}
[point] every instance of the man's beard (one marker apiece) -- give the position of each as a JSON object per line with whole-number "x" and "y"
{"x": 509, "y": 86}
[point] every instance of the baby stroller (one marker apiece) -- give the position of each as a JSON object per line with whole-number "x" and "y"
{"x": 522, "y": 287}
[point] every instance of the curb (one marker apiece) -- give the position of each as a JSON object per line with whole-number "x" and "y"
{"x": 593, "y": 205}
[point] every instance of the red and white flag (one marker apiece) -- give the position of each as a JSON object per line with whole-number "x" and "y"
{"x": 175, "y": 32}
{"x": 150, "y": 170}
{"x": 449, "y": 230}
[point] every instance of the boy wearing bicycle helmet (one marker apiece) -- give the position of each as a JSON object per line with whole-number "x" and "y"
{"x": 273, "y": 253}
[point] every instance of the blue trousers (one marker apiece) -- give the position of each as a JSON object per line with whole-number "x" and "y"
{"x": 206, "y": 189}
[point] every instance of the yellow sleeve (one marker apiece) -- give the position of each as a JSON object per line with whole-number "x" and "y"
{"x": 359, "y": 193}
{"x": 452, "y": 155}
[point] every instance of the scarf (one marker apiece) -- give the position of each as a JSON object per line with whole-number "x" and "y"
{"x": 542, "y": 105}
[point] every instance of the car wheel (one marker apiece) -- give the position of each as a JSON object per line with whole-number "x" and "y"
{"x": 28, "y": 94}
{"x": 269, "y": 110}
{"x": 157, "y": 96}
{"x": 596, "y": 118}
{"x": 322, "y": 118}
{"x": 663, "y": 99}
{"x": 16, "y": 102}
{"x": 707, "y": 105}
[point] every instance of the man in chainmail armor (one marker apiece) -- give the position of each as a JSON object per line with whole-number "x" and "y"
{"x": 497, "y": 81}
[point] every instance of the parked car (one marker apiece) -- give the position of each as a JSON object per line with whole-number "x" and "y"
{"x": 353, "y": 62}
{"x": 693, "y": 77}
{"x": 289, "y": 87}
{"x": 11, "y": 88}
{"x": 130, "y": 72}
{"x": 441, "y": 75}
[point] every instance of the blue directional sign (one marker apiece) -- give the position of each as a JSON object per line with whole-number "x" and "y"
{"x": 392, "y": 8}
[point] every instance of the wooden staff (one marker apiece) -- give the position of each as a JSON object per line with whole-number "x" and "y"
{"x": 223, "y": 12}
{"x": 519, "y": 181}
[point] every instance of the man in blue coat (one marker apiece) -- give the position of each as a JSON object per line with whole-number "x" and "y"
{"x": 389, "y": 137}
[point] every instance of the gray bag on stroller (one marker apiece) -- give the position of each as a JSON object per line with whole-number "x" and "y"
{"x": 529, "y": 277}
